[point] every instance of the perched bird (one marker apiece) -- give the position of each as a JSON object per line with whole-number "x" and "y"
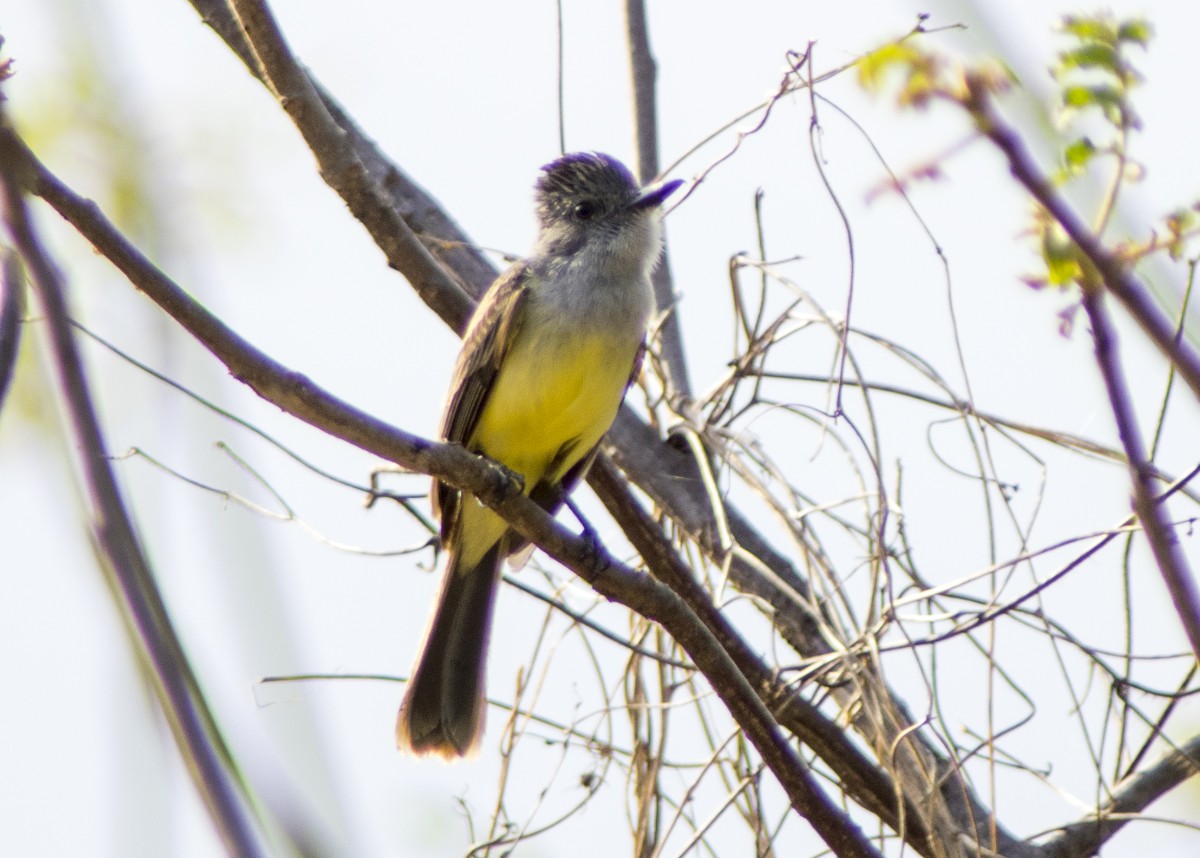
{"x": 544, "y": 365}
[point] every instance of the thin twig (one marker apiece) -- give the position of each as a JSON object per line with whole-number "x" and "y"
{"x": 748, "y": 709}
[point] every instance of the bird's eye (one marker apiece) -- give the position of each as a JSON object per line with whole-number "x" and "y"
{"x": 585, "y": 210}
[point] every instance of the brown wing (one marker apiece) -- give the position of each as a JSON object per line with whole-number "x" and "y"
{"x": 492, "y": 330}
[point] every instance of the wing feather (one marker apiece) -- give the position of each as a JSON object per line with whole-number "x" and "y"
{"x": 492, "y": 330}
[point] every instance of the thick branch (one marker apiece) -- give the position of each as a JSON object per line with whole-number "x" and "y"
{"x": 342, "y": 169}
{"x": 444, "y": 239}
{"x": 1128, "y": 799}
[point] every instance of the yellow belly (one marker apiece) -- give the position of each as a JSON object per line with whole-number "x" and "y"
{"x": 550, "y": 404}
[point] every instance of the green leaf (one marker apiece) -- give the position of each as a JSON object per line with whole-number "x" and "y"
{"x": 1062, "y": 270}
{"x": 1136, "y": 30}
{"x": 1078, "y": 96}
{"x": 1091, "y": 29}
{"x": 1110, "y": 99}
{"x": 1092, "y": 55}
{"x": 873, "y": 66}
{"x": 1058, "y": 251}
{"x": 1079, "y": 153}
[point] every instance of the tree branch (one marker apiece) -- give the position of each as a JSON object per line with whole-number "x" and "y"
{"x": 1133, "y": 795}
{"x": 1163, "y": 542}
{"x": 192, "y": 724}
{"x": 444, "y": 239}
{"x": 1116, "y": 273}
{"x": 756, "y": 566}
{"x": 861, "y": 778}
{"x": 645, "y": 123}
{"x": 342, "y": 169}
{"x": 670, "y": 478}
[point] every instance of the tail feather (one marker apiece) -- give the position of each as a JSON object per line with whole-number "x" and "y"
{"x": 442, "y": 713}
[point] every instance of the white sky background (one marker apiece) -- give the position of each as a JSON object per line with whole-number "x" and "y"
{"x": 462, "y": 96}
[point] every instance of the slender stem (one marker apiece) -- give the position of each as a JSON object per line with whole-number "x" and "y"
{"x": 866, "y": 783}
{"x": 645, "y": 120}
{"x": 560, "y": 82}
{"x": 1163, "y": 542}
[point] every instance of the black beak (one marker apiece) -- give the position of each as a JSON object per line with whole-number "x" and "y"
{"x": 654, "y": 196}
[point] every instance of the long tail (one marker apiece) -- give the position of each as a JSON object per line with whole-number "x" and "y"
{"x": 443, "y": 709}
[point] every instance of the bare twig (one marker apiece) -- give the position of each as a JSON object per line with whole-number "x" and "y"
{"x": 744, "y": 702}
{"x": 669, "y": 477}
{"x": 865, "y": 782}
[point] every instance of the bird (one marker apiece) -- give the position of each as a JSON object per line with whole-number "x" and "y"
{"x": 546, "y": 359}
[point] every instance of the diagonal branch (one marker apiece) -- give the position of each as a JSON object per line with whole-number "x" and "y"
{"x": 192, "y": 724}
{"x": 1129, "y": 798}
{"x": 1117, "y": 274}
{"x": 1118, "y": 279}
{"x": 344, "y": 171}
{"x": 1153, "y": 516}
{"x": 669, "y": 477}
{"x": 442, "y": 237}
{"x": 862, "y": 779}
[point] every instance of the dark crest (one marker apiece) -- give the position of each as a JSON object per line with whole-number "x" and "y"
{"x": 582, "y": 182}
